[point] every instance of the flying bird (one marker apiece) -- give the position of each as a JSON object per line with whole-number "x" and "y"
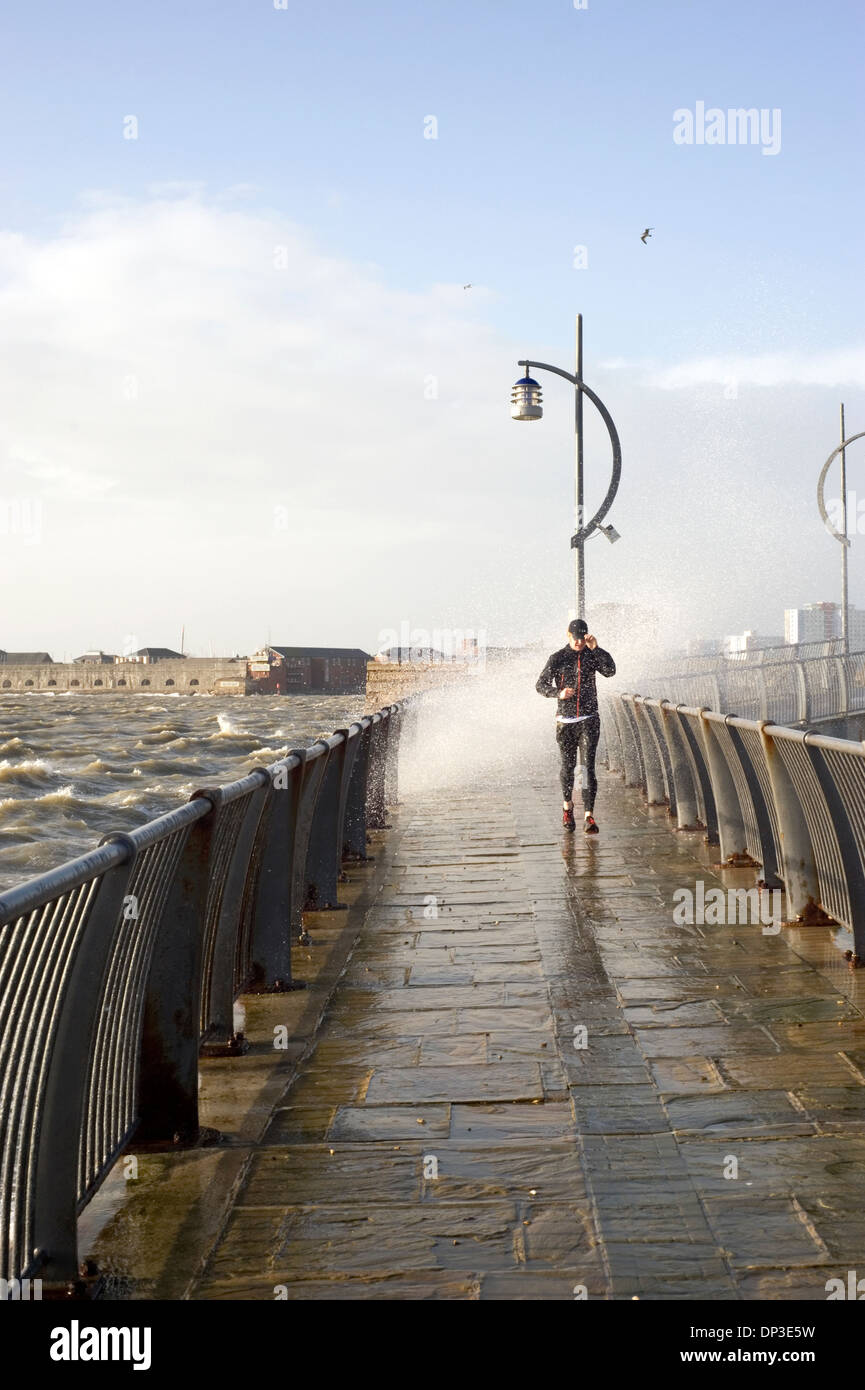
{"x": 647, "y": 233}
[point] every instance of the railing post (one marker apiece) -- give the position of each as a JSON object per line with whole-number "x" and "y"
{"x": 630, "y": 747}
{"x": 680, "y": 770}
{"x": 168, "y": 1096}
{"x": 376, "y": 811}
{"x": 798, "y": 869}
{"x": 693, "y": 742}
{"x": 271, "y": 912}
{"x": 312, "y": 774}
{"x": 613, "y": 743}
{"x": 844, "y": 692}
{"x": 731, "y": 825}
{"x": 354, "y": 844}
{"x": 220, "y": 984}
{"x": 391, "y": 775}
{"x": 656, "y": 733}
{"x": 654, "y": 778}
{"x": 748, "y": 766}
{"x": 324, "y": 856}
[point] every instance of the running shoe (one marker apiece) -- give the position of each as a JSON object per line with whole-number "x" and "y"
{"x": 590, "y": 826}
{"x": 568, "y": 821}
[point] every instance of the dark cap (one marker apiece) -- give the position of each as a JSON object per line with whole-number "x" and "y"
{"x": 578, "y": 628}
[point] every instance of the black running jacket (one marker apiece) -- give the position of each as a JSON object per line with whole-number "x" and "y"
{"x": 578, "y": 669}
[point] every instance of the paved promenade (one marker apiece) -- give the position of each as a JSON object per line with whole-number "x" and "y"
{"x": 447, "y": 1135}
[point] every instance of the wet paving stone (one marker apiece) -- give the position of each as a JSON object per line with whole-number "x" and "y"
{"x": 735, "y": 1113}
{"x": 339, "y": 1288}
{"x": 328, "y": 1086}
{"x": 662, "y": 1215}
{"x": 504, "y": 1081}
{"x": 787, "y": 982}
{"x": 393, "y": 1023}
{"x": 581, "y": 1070}
{"x": 686, "y": 1075}
{"x": 834, "y": 1107}
{"x": 448, "y": 975}
{"x": 600, "y": 1023}
{"x": 389, "y": 1122}
{"x": 685, "y": 989}
{"x": 824, "y": 1164}
{"x": 611, "y": 1050}
{"x": 486, "y": 953}
{"x": 656, "y": 1267}
{"x": 455, "y": 1236}
{"x": 588, "y": 1279}
{"x": 299, "y": 1124}
{"x": 789, "y": 1011}
{"x": 836, "y": 1226}
{"x": 343, "y": 1173}
{"x": 795, "y": 1285}
{"x": 503, "y": 1123}
{"x": 557, "y": 1236}
{"x": 765, "y": 1231}
{"x": 518, "y": 1017}
{"x": 671, "y": 1014}
{"x": 513, "y": 1169}
{"x": 537, "y": 1046}
{"x": 434, "y": 997}
{"x": 509, "y": 972}
{"x": 380, "y": 1052}
{"x": 619, "y": 1119}
{"x": 714, "y": 1040}
{"x": 846, "y": 1035}
{"x": 438, "y": 1052}
{"x": 790, "y": 1070}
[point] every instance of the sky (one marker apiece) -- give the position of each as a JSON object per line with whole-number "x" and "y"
{"x": 245, "y": 396}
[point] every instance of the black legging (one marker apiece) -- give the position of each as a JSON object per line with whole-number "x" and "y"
{"x": 584, "y": 736}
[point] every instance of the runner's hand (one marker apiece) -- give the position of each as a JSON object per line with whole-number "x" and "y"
{"x": 591, "y": 642}
{"x": 568, "y": 693}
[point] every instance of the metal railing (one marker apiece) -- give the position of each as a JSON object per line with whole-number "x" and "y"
{"x": 789, "y": 802}
{"x": 761, "y": 656}
{"x": 788, "y": 692}
{"x": 120, "y": 967}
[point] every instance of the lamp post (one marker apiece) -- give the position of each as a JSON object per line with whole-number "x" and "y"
{"x": 526, "y": 405}
{"x": 841, "y": 535}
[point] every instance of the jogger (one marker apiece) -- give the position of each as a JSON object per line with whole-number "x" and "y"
{"x": 569, "y": 676}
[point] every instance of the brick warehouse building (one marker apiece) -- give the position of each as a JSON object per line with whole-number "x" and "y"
{"x": 320, "y": 670}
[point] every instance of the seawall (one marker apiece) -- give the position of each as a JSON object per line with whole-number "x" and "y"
{"x": 387, "y": 683}
{"x": 190, "y": 676}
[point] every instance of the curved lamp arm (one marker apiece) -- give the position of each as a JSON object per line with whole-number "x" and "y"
{"x": 845, "y": 540}
{"x": 586, "y": 531}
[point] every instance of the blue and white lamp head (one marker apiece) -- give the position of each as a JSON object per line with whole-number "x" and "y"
{"x": 526, "y": 400}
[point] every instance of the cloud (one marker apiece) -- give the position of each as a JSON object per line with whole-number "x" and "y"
{"x": 844, "y": 367}
{"x": 230, "y": 424}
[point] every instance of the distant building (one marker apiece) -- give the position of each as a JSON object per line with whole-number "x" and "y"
{"x": 153, "y": 654}
{"x": 749, "y": 641}
{"x": 402, "y": 656}
{"x": 816, "y": 622}
{"x": 705, "y": 646}
{"x": 96, "y": 659}
{"x": 325, "y": 670}
{"x": 25, "y": 658}
{"x": 515, "y": 652}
